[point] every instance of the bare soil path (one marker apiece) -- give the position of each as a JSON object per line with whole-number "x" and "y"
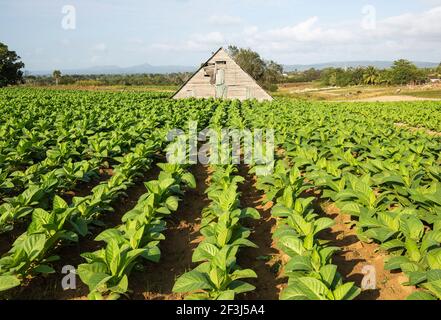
{"x": 264, "y": 259}
{"x": 393, "y": 99}
{"x": 156, "y": 281}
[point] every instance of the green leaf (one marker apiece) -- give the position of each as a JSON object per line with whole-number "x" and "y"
{"x": 394, "y": 263}
{"x": 191, "y": 281}
{"x": 312, "y": 288}
{"x": 59, "y": 203}
{"x": 205, "y": 251}
{"x": 122, "y": 286}
{"x": 305, "y": 288}
{"x": 329, "y": 275}
{"x": 421, "y": 295}
{"x": 413, "y": 252}
{"x": 280, "y": 211}
{"x": 239, "y": 286}
{"x": 434, "y": 287}
{"x": 109, "y": 235}
{"x": 412, "y": 227}
{"x": 93, "y": 274}
{"x": 250, "y": 213}
{"x": 291, "y": 292}
{"x": 189, "y": 179}
{"x": 346, "y": 291}
{"x": 322, "y": 224}
{"x": 434, "y": 259}
{"x": 112, "y": 254}
{"x": 34, "y": 244}
{"x": 292, "y": 246}
{"x": 43, "y": 268}
{"x": 8, "y": 282}
{"x": 392, "y": 244}
{"x": 226, "y": 295}
{"x": 299, "y": 263}
{"x": 244, "y": 243}
{"x": 70, "y": 236}
{"x": 80, "y": 226}
{"x": 172, "y": 203}
{"x": 243, "y": 274}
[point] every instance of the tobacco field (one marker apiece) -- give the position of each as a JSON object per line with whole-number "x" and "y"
{"x": 84, "y": 182}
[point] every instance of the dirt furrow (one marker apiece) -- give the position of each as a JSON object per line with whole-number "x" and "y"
{"x": 49, "y": 287}
{"x": 156, "y": 281}
{"x": 263, "y": 260}
{"x": 358, "y": 259}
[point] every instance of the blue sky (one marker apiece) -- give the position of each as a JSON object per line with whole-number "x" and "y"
{"x": 185, "y": 32}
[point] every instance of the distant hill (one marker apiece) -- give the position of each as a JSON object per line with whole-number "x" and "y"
{"x": 143, "y": 68}
{"x": 349, "y": 64}
{"x": 148, "y": 68}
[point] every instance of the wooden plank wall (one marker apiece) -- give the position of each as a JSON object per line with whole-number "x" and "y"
{"x": 239, "y": 84}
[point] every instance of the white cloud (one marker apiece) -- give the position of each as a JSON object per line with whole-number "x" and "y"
{"x": 224, "y": 20}
{"x": 403, "y": 36}
{"x": 250, "y": 31}
{"x": 399, "y": 36}
{"x": 306, "y": 31}
{"x": 209, "y": 38}
{"x": 424, "y": 25}
{"x": 196, "y": 42}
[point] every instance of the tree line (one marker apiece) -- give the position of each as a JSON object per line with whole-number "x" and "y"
{"x": 267, "y": 73}
{"x": 402, "y": 72}
{"x": 172, "y": 79}
{"x": 10, "y": 67}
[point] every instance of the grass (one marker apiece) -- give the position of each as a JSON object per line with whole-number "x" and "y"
{"x": 313, "y": 91}
{"x": 317, "y": 93}
{"x": 433, "y": 94}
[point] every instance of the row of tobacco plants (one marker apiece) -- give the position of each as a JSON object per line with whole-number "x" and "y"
{"x": 218, "y": 276}
{"x": 128, "y": 132}
{"x": 387, "y": 177}
{"x": 308, "y": 259}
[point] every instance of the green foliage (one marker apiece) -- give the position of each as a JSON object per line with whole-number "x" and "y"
{"x": 218, "y": 276}
{"x": 303, "y": 76}
{"x": 402, "y": 72}
{"x": 99, "y": 132}
{"x": 57, "y": 75}
{"x": 106, "y": 271}
{"x": 266, "y": 73}
{"x": 10, "y": 67}
{"x": 171, "y": 80}
{"x": 387, "y": 177}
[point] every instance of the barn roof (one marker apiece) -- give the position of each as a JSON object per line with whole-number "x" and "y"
{"x": 206, "y": 62}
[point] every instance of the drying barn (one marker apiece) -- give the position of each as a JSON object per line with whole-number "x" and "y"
{"x": 221, "y": 77}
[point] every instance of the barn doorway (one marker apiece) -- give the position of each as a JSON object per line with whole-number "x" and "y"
{"x": 221, "y": 88}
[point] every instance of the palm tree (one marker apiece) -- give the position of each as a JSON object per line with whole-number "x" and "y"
{"x": 57, "y": 75}
{"x": 385, "y": 77}
{"x": 371, "y": 75}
